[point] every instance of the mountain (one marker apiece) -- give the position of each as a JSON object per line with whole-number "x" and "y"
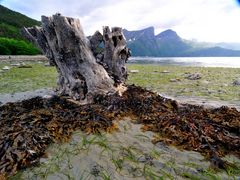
{"x": 143, "y": 42}
{"x": 11, "y": 41}
{"x": 11, "y": 22}
{"x": 169, "y": 44}
{"x": 226, "y": 45}
{"x": 233, "y": 46}
{"x": 212, "y": 52}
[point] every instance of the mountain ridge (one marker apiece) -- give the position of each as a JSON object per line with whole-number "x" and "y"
{"x": 169, "y": 44}
{"x": 142, "y": 42}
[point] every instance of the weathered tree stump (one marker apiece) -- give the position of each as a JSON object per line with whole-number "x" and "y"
{"x": 86, "y": 66}
{"x": 96, "y": 66}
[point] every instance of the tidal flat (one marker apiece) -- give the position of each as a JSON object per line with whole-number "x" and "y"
{"x": 129, "y": 153}
{"x": 215, "y": 83}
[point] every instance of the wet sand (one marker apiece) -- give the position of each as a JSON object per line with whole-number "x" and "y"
{"x": 209, "y": 103}
{"x": 125, "y": 154}
{"x": 4, "y": 98}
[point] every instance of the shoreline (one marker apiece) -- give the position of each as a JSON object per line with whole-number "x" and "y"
{"x": 20, "y": 96}
{"x": 208, "y": 103}
{"x": 33, "y": 58}
{"x": 189, "y": 61}
{"x": 47, "y": 92}
{"x": 164, "y": 61}
{"x": 214, "y": 88}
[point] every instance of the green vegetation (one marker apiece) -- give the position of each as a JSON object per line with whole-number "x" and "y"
{"x": 25, "y": 79}
{"x": 9, "y": 31}
{"x": 16, "y": 47}
{"x": 11, "y": 41}
{"x": 215, "y": 84}
{"x": 11, "y": 22}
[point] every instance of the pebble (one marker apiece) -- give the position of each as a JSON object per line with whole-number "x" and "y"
{"x": 43, "y": 160}
{"x": 175, "y": 80}
{"x": 165, "y": 71}
{"x": 163, "y": 146}
{"x": 95, "y": 170}
{"x": 6, "y": 68}
{"x": 146, "y": 158}
{"x": 47, "y": 64}
{"x": 220, "y": 91}
{"x": 236, "y": 82}
{"x": 17, "y": 64}
{"x": 134, "y": 71}
{"x": 194, "y": 76}
{"x": 47, "y": 96}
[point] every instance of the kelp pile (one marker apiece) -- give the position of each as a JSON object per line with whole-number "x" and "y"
{"x": 212, "y": 132}
{"x": 28, "y": 127}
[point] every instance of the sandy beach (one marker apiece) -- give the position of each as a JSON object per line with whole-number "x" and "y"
{"x": 125, "y": 154}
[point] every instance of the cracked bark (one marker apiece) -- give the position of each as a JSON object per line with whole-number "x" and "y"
{"x": 86, "y": 66}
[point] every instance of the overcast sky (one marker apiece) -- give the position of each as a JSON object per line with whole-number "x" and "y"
{"x": 204, "y": 20}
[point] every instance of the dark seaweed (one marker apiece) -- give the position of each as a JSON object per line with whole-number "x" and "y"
{"x": 28, "y": 127}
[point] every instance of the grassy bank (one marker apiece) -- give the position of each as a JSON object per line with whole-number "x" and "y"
{"x": 216, "y": 83}
{"x": 27, "y": 79}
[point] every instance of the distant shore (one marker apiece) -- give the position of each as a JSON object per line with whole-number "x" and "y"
{"x": 228, "y": 62}
{"x": 8, "y": 58}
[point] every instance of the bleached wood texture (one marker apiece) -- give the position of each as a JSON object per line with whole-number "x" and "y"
{"x": 86, "y": 66}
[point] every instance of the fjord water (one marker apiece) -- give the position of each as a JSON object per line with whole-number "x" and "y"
{"x": 233, "y": 62}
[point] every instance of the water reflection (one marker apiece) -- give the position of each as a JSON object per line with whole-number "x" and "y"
{"x": 233, "y": 62}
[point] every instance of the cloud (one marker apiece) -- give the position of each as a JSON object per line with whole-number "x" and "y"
{"x": 214, "y": 20}
{"x": 37, "y": 8}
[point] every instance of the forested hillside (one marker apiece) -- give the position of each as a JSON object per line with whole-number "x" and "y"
{"x": 11, "y": 41}
{"x": 11, "y": 22}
